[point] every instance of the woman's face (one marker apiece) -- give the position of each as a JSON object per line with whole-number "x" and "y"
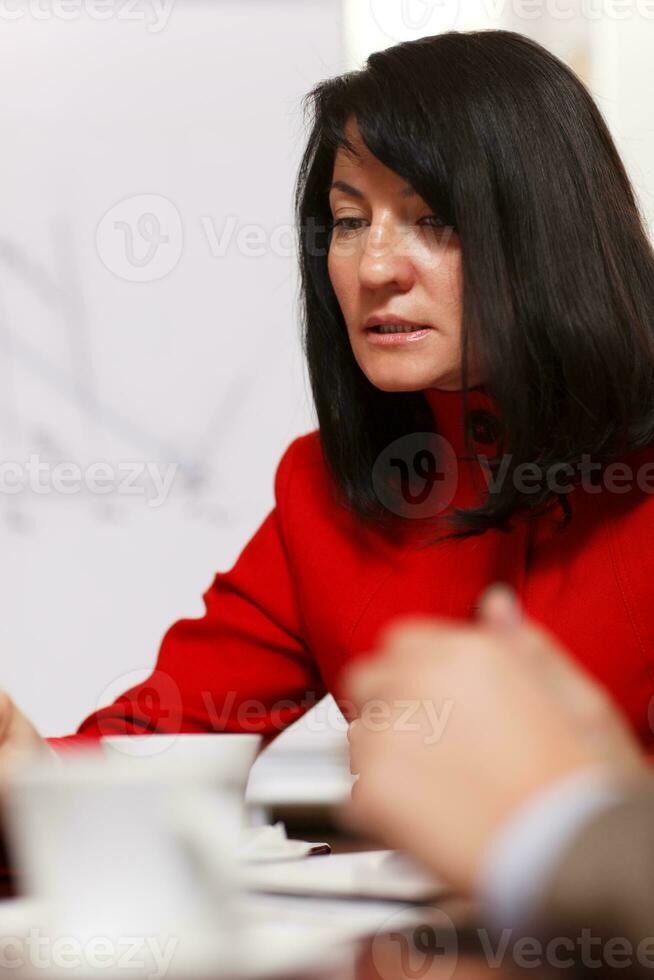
{"x": 392, "y": 258}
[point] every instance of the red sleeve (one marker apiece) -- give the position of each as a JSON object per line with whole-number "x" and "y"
{"x": 241, "y": 667}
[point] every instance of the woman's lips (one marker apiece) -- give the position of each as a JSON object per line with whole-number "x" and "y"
{"x": 398, "y": 338}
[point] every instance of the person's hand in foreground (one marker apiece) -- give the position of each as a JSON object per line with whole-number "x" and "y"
{"x": 458, "y": 725}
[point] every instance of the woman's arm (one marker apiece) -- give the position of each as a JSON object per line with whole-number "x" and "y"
{"x": 242, "y": 666}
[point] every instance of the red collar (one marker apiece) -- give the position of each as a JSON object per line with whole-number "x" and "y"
{"x": 449, "y": 419}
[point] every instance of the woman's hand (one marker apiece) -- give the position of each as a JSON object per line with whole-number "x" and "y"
{"x": 18, "y": 736}
{"x": 459, "y": 724}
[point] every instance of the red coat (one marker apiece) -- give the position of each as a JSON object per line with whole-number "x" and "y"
{"x": 311, "y": 589}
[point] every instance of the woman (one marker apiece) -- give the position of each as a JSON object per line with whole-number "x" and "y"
{"x": 478, "y": 300}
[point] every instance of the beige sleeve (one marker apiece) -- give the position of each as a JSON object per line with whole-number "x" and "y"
{"x": 604, "y": 883}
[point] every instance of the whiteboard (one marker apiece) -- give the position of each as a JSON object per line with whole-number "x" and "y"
{"x": 148, "y": 315}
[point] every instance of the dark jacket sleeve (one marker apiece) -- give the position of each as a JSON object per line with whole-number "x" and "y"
{"x": 241, "y": 667}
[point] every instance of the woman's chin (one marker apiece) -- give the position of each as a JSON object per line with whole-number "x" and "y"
{"x": 410, "y": 380}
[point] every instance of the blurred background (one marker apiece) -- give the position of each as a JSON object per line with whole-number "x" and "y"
{"x": 150, "y": 364}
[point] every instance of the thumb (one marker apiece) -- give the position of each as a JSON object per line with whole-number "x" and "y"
{"x": 499, "y": 608}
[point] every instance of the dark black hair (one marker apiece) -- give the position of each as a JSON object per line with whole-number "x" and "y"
{"x": 506, "y": 144}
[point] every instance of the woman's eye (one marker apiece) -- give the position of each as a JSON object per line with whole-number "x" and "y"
{"x": 437, "y": 222}
{"x": 353, "y": 224}
{"x": 346, "y": 223}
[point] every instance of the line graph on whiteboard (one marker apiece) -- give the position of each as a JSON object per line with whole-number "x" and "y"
{"x": 52, "y": 402}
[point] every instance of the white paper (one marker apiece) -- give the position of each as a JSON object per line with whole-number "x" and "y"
{"x": 367, "y": 874}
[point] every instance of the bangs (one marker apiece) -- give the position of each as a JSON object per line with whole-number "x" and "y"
{"x": 393, "y": 125}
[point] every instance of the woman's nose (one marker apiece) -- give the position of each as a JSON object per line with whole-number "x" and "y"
{"x": 387, "y": 258}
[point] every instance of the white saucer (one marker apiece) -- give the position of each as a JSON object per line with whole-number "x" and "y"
{"x": 263, "y": 950}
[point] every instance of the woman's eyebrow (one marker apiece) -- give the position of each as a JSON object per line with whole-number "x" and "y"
{"x": 341, "y": 185}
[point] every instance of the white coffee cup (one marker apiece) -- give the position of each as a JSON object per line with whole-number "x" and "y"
{"x": 113, "y": 846}
{"x": 226, "y": 758}
{"x": 230, "y": 756}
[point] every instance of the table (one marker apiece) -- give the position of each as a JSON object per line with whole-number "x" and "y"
{"x": 448, "y": 945}
{"x": 427, "y": 953}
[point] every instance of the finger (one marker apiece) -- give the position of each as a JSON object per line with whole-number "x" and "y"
{"x": 499, "y": 608}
